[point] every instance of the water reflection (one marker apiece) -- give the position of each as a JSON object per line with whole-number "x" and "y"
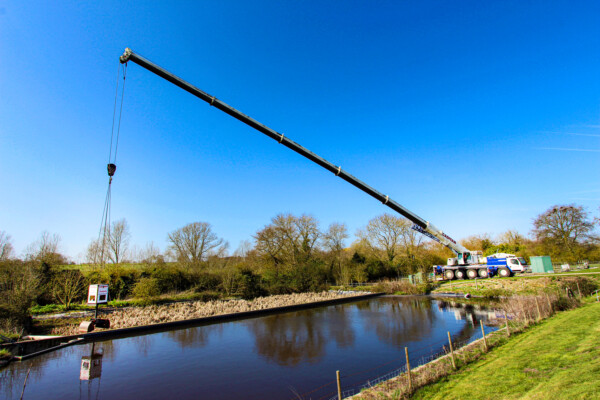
{"x": 263, "y": 356}
{"x": 468, "y": 312}
{"x": 195, "y": 337}
{"x": 289, "y": 342}
{"x": 398, "y": 321}
{"x": 91, "y": 365}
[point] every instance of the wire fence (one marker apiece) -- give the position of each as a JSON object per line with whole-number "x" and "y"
{"x": 434, "y": 351}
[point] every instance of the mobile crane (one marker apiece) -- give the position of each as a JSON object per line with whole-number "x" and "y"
{"x": 466, "y": 263}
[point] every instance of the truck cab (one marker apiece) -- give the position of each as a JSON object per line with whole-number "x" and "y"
{"x": 514, "y": 263}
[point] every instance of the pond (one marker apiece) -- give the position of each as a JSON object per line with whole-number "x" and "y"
{"x": 284, "y": 356}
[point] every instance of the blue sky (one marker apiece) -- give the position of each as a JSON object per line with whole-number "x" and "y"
{"x": 477, "y": 116}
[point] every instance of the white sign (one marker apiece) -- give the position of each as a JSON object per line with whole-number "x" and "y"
{"x": 98, "y": 294}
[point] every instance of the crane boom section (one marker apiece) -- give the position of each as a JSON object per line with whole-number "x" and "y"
{"x": 129, "y": 55}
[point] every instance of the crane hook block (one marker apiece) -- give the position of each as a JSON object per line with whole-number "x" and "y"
{"x": 111, "y": 169}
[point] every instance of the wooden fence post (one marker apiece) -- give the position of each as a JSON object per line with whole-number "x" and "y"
{"x": 525, "y": 316}
{"x": 408, "y": 370}
{"x": 339, "y": 384}
{"x": 549, "y": 304}
{"x": 506, "y": 319}
{"x": 537, "y": 304}
{"x": 451, "y": 351}
{"x": 578, "y": 289}
{"x": 485, "y": 346}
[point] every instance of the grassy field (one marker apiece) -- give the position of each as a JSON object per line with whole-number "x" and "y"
{"x": 559, "y": 358}
{"x": 525, "y": 284}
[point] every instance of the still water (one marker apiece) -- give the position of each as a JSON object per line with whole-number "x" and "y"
{"x": 282, "y": 356}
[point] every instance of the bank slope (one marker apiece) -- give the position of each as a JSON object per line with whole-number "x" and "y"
{"x": 558, "y": 359}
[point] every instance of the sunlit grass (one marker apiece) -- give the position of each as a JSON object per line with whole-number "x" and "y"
{"x": 559, "y": 358}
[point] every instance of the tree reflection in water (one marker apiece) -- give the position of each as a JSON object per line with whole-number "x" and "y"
{"x": 291, "y": 339}
{"x": 195, "y": 337}
{"x": 397, "y": 320}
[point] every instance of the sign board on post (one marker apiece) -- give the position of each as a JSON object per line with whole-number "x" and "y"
{"x": 98, "y": 294}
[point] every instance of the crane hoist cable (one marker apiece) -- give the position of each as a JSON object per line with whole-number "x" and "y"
{"x": 111, "y": 167}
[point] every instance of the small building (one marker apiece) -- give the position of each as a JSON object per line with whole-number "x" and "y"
{"x": 541, "y": 264}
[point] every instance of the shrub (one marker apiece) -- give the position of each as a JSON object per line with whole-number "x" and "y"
{"x": 249, "y": 285}
{"x": 20, "y": 285}
{"x": 146, "y": 288}
{"x": 203, "y": 281}
{"x": 170, "y": 278}
{"x": 403, "y": 287}
{"x": 67, "y": 287}
{"x": 205, "y": 296}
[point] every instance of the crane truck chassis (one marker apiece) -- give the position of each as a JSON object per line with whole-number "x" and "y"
{"x": 499, "y": 264}
{"x": 466, "y": 263}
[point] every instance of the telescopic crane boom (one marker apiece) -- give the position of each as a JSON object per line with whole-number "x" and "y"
{"x": 422, "y": 226}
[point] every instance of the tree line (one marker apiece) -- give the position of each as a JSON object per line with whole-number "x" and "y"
{"x": 289, "y": 254}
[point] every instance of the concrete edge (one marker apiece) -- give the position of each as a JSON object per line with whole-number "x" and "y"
{"x": 38, "y": 353}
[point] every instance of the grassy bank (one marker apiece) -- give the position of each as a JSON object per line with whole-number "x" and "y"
{"x": 555, "y": 358}
{"x": 524, "y": 285}
{"x": 559, "y": 358}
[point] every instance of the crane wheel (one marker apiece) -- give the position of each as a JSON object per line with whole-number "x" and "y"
{"x": 472, "y": 273}
{"x": 460, "y": 274}
{"x": 504, "y": 272}
{"x": 483, "y": 272}
{"x": 449, "y": 274}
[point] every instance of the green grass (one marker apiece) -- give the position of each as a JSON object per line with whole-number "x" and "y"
{"x": 87, "y": 267}
{"x": 5, "y": 354}
{"x": 56, "y": 308}
{"x": 559, "y": 358}
{"x": 10, "y": 335}
{"x": 593, "y": 269}
{"x": 520, "y": 285}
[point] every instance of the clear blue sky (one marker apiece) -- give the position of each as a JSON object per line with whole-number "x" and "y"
{"x": 474, "y": 115}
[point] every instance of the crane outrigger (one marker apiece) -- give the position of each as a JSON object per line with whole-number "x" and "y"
{"x": 463, "y": 257}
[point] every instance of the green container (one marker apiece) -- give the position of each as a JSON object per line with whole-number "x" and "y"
{"x": 541, "y": 264}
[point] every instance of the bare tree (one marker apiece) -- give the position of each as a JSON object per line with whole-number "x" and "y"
{"x": 243, "y": 249}
{"x": 333, "y": 241}
{"x": 194, "y": 242}
{"x": 565, "y": 226}
{"x": 511, "y": 237}
{"x": 478, "y": 242}
{"x": 6, "y": 247}
{"x": 45, "y": 249}
{"x": 270, "y": 243}
{"x": 308, "y": 234}
{"x": 94, "y": 254}
{"x": 383, "y": 234}
{"x": 118, "y": 241}
{"x": 150, "y": 253}
{"x": 67, "y": 286}
{"x": 288, "y": 239}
